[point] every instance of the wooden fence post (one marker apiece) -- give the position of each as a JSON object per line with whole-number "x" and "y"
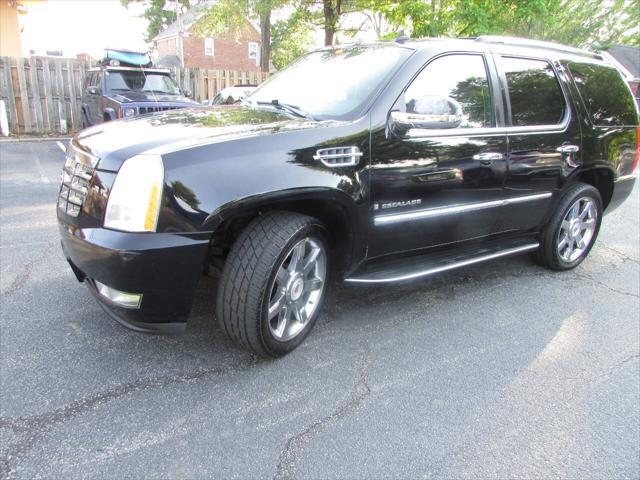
{"x": 35, "y": 94}
{"x": 24, "y": 96}
{"x": 8, "y": 92}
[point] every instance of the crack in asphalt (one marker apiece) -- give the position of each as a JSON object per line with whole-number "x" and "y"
{"x": 22, "y": 277}
{"x": 586, "y": 276}
{"x": 623, "y": 256}
{"x": 30, "y": 429}
{"x": 295, "y": 445}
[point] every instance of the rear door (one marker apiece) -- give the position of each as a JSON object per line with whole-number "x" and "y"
{"x": 544, "y": 137}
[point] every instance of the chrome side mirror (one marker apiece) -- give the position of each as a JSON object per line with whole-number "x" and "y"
{"x": 430, "y": 112}
{"x": 406, "y": 121}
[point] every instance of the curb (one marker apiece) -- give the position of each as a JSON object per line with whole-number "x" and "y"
{"x": 32, "y": 139}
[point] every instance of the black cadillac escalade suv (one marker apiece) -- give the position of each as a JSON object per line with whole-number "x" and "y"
{"x": 374, "y": 163}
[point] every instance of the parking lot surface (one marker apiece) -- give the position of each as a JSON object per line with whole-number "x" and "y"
{"x": 501, "y": 370}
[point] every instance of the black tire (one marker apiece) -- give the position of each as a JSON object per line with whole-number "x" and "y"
{"x": 547, "y": 255}
{"x": 249, "y": 272}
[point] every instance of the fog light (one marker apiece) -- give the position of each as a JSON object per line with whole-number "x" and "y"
{"x": 124, "y": 299}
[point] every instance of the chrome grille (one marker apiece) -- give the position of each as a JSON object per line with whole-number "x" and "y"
{"x": 143, "y": 110}
{"x": 76, "y": 177}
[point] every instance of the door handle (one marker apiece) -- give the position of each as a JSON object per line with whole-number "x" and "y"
{"x": 486, "y": 158}
{"x": 567, "y": 152}
{"x": 568, "y": 149}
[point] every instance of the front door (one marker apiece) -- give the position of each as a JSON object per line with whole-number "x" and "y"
{"x": 544, "y": 139}
{"x": 442, "y": 182}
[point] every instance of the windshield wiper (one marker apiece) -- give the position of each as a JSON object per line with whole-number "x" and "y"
{"x": 158, "y": 91}
{"x": 297, "y": 111}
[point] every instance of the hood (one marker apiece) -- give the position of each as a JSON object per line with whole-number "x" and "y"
{"x": 138, "y": 96}
{"x": 114, "y": 142}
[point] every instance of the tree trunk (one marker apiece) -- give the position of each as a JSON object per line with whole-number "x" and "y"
{"x": 265, "y": 40}
{"x": 331, "y": 16}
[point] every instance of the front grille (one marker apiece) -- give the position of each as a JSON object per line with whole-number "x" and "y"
{"x": 143, "y": 110}
{"x": 76, "y": 177}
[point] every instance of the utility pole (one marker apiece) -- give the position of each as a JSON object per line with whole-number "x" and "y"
{"x": 180, "y": 33}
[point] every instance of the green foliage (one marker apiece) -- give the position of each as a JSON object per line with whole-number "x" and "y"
{"x": 224, "y": 18}
{"x": 290, "y": 39}
{"x": 575, "y": 22}
{"x": 159, "y": 14}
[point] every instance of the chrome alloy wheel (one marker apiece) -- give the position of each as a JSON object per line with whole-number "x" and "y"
{"x": 297, "y": 289}
{"x": 577, "y": 229}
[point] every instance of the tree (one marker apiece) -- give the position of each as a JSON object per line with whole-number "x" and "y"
{"x": 290, "y": 39}
{"x": 159, "y": 13}
{"x": 581, "y": 23}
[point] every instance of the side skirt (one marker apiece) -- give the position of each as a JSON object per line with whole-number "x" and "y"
{"x": 409, "y": 268}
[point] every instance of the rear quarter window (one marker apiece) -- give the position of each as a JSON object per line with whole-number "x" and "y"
{"x": 605, "y": 95}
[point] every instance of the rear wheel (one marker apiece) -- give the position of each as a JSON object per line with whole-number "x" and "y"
{"x": 273, "y": 283}
{"x": 570, "y": 234}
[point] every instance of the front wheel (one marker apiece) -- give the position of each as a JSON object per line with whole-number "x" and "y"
{"x": 273, "y": 283}
{"x": 570, "y": 234}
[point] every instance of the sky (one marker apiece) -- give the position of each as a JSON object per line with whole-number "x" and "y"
{"x": 82, "y": 26}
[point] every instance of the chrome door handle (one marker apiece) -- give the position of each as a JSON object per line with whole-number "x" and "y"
{"x": 568, "y": 149}
{"x": 487, "y": 157}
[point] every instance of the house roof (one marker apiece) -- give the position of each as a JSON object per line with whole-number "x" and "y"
{"x": 190, "y": 17}
{"x": 628, "y": 57}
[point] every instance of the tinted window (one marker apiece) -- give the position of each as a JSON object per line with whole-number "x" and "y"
{"x": 604, "y": 94}
{"x": 534, "y": 92}
{"x": 453, "y": 85}
{"x": 125, "y": 81}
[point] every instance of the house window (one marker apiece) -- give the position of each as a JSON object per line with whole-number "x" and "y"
{"x": 253, "y": 51}
{"x": 208, "y": 47}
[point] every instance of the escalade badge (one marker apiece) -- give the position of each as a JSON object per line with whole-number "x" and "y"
{"x": 403, "y": 203}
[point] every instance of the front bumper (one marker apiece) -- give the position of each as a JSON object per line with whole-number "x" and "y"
{"x": 163, "y": 267}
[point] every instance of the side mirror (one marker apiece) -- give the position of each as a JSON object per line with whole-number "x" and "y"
{"x": 93, "y": 90}
{"x": 429, "y": 112}
{"x": 187, "y": 94}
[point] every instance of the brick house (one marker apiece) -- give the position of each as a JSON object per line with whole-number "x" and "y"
{"x": 230, "y": 53}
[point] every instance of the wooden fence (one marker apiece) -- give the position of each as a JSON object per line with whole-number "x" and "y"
{"x": 43, "y": 95}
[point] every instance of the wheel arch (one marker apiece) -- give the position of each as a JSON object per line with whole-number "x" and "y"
{"x": 601, "y": 177}
{"x": 334, "y": 208}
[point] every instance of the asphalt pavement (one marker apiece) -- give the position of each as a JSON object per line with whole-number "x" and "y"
{"x": 502, "y": 370}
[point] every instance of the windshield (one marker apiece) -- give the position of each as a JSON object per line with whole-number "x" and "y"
{"x": 140, "y": 82}
{"x": 333, "y": 84}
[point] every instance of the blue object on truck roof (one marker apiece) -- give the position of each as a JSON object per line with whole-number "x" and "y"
{"x": 137, "y": 59}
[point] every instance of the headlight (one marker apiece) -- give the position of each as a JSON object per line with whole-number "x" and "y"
{"x": 129, "y": 112}
{"x": 134, "y": 201}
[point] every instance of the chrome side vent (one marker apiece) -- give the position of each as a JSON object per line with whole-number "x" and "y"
{"x": 339, "y": 156}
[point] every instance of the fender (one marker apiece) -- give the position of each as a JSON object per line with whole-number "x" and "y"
{"x": 111, "y": 113}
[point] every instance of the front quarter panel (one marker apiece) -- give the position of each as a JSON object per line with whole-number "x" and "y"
{"x": 206, "y": 184}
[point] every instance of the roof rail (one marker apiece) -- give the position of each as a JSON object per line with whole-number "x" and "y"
{"x": 525, "y": 42}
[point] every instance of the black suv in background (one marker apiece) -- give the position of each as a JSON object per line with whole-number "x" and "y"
{"x": 375, "y": 163}
{"x": 112, "y": 92}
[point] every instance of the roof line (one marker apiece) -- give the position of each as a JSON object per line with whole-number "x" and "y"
{"x": 526, "y": 42}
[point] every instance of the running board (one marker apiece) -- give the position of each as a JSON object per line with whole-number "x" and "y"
{"x": 408, "y": 268}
